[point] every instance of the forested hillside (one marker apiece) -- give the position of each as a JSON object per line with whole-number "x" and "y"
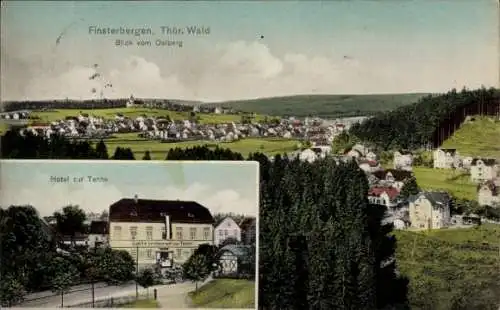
{"x": 427, "y": 122}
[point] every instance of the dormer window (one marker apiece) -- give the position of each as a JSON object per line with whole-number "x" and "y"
{"x": 133, "y": 213}
{"x": 190, "y": 215}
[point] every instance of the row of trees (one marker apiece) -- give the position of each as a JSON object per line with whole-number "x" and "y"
{"x": 418, "y": 125}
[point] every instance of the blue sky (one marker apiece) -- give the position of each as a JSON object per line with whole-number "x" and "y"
{"x": 308, "y": 47}
{"x": 222, "y": 187}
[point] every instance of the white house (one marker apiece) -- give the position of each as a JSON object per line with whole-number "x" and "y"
{"x": 369, "y": 166}
{"x": 430, "y": 210}
{"x": 483, "y": 169}
{"x": 488, "y": 193}
{"x": 226, "y": 228}
{"x": 403, "y": 160}
{"x": 308, "y": 155}
{"x": 445, "y": 158}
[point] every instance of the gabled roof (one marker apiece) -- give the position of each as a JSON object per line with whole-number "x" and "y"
{"x": 491, "y": 186}
{"x": 148, "y": 210}
{"x": 451, "y": 151}
{"x": 247, "y": 223}
{"x": 98, "y": 228}
{"x": 486, "y": 161}
{"x": 218, "y": 222}
{"x": 390, "y": 191}
{"x": 436, "y": 198}
{"x": 399, "y": 175}
{"x": 242, "y": 252}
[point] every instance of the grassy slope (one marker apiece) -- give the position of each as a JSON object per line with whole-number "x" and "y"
{"x": 324, "y": 105}
{"x": 440, "y": 266}
{"x": 456, "y": 183}
{"x": 225, "y": 293}
{"x": 159, "y": 150}
{"x": 478, "y": 138}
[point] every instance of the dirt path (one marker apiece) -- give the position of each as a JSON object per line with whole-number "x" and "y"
{"x": 175, "y": 296}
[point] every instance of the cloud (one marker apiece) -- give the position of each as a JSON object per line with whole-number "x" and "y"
{"x": 239, "y": 70}
{"x": 97, "y": 197}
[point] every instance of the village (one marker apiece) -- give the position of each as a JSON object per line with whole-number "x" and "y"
{"x": 87, "y": 126}
{"x": 427, "y": 209}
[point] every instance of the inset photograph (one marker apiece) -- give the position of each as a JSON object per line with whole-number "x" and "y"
{"x": 128, "y": 234}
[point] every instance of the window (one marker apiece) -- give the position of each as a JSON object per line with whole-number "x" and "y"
{"x": 149, "y": 233}
{"x": 117, "y": 232}
{"x": 228, "y": 224}
{"x": 235, "y": 233}
{"x": 192, "y": 233}
{"x": 164, "y": 233}
{"x": 178, "y": 233}
{"x": 179, "y": 253}
{"x": 206, "y": 233}
{"x": 149, "y": 253}
{"x": 133, "y": 253}
{"x": 226, "y": 233}
{"x": 221, "y": 233}
{"x": 133, "y": 232}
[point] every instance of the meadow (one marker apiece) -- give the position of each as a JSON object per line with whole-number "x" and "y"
{"x": 325, "y": 106}
{"x": 158, "y": 150}
{"x": 451, "y": 267}
{"x": 478, "y": 138}
{"x": 456, "y": 183}
{"x": 225, "y": 293}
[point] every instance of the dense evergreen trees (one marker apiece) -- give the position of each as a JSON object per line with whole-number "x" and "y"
{"x": 429, "y": 121}
{"x": 322, "y": 246}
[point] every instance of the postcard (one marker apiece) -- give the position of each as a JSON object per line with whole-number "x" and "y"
{"x": 120, "y": 234}
{"x": 376, "y": 126}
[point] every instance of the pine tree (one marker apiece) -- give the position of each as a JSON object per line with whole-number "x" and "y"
{"x": 101, "y": 150}
{"x": 409, "y": 188}
{"x": 146, "y": 156}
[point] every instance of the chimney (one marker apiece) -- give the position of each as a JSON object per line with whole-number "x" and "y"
{"x": 136, "y": 198}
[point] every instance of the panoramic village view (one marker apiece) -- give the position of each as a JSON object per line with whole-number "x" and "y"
{"x": 378, "y": 149}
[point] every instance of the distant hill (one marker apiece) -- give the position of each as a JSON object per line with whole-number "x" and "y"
{"x": 327, "y": 106}
{"x": 478, "y": 137}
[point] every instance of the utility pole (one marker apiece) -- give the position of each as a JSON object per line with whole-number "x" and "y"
{"x": 136, "y": 272}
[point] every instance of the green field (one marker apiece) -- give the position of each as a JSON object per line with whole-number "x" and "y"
{"x": 158, "y": 150}
{"x": 449, "y": 266}
{"x": 225, "y": 293}
{"x": 204, "y": 118}
{"x": 324, "y": 105}
{"x": 480, "y": 138}
{"x": 456, "y": 183}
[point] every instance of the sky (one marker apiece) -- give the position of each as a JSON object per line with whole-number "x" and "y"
{"x": 222, "y": 187}
{"x": 253, "y": 49}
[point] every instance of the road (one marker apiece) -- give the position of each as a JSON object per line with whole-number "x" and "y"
{"x": 81, "y": 296}
{"x": 174, "y": 296}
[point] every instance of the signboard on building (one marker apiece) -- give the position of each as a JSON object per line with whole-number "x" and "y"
{"x": 163, "y": 244}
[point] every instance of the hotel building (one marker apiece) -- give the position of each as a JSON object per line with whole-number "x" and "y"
{"x": 164, "y": 232}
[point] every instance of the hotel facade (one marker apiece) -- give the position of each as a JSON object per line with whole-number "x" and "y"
{"x": 163, "y": 232}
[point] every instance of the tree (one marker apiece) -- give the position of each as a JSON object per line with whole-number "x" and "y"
{"x": 101, "y": 150}
{"x": 26, "y": 247}
{"x": 409, "y": 188}
{"x": 201, "y": 264}
{"x": 70, "y": 221}
{"x": 115, "y": 266}
{"x": 146, "y": 278}
{"x": 146, "y": 156}
{"x": 229, "y": 240}
{"x": 11, "y": 291}
{"x": 66, "y": 275}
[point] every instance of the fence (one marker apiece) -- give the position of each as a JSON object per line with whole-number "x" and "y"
{"x": 116, "y": 301}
